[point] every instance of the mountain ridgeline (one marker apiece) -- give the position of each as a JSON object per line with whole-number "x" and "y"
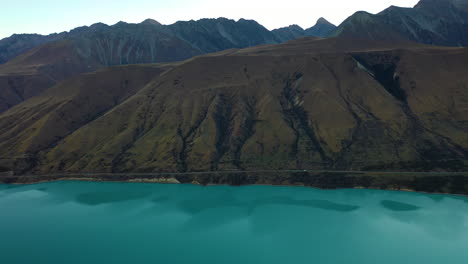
{"x": 87, "y": 49}
{"x": 434, "y": 22}
{"x": 125, "y": 43}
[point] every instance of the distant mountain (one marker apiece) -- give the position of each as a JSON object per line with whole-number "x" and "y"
{"x": 288, "y": 33}
{"x": 51, "y": 59}
{"x": 19, "y": 43}
{"x": 203, "y": 36}
{"x": 322, "y": 28}
{"x": 435, "y": 22}
{"x": 87, "y": 49}
{"x": 211, "y": 35}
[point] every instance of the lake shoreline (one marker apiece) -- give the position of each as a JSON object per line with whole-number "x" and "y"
{"x": 430, "y": 182}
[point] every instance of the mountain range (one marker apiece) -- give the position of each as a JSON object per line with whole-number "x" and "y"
{"x": 379, "y": 94}
{"x": 87, "y": 49}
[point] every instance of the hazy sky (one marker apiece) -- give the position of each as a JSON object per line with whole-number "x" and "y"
{"x": 48, "y": 16}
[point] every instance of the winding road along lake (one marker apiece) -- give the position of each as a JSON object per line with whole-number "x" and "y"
{"x": 94, "y": 222}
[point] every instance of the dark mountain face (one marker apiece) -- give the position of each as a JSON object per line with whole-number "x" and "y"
{"x": 86, "y": 49}
{"x": 435, "y": 22}
{"x": 124, "y": 43}
{"x": 19, "y": 43}
{"x": 211, "y": 35}
{"x": 288, "y": 33}
{"x": 321, "y": 29}
{"x": 149, "y": 41}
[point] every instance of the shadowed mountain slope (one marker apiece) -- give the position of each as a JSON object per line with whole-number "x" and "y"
{"x": 306, "y": 104}
{"x": 211, "y": 35}
{"x": 18, "y": 43}
{"x": 436, "y": 22}
{"x": 144, "y": 40}
{"x": 43, "y": 120}
{"x": 86, "y": 49}
{"x": 288, "y": 33}
{"x": 39, "y": 69}
{"x": 322, "y": 29}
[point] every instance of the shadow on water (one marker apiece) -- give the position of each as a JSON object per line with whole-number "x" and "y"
{"x": 461, "y": 198}
{"x": 198, "y": 206}
{"x": 210, "y": 214}
{"x": 398, "y": 206}
{"x": 10, "y": 186}
{"x": 98, "y": 198}
{"x": 318, "y": 204}
{"x": 215, "y": 212}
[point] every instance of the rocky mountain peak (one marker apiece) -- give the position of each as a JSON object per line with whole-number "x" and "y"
{"x": 322, "y": 28}
{"x": 323, "y": 21}
{"x": 150, "y": 21}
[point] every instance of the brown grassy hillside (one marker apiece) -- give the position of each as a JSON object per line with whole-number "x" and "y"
{"x": 42, "y": 121}
{"x": 39, "y": 69}
{"x": 307, "y": 104}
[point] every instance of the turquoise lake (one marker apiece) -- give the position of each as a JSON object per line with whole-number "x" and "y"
{"x": 89, "y": 222}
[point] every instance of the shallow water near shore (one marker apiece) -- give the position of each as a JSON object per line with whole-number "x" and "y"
{"x": 97, "y": 222}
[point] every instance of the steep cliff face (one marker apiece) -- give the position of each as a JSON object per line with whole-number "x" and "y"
{"x": 436, "y": 22}
{"x": 300, "y": 105}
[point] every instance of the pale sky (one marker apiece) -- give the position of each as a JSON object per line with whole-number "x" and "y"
{"x": 48, "y": 16}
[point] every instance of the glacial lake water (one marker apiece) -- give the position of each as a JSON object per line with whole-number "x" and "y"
{"x": 93, "y": 222}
